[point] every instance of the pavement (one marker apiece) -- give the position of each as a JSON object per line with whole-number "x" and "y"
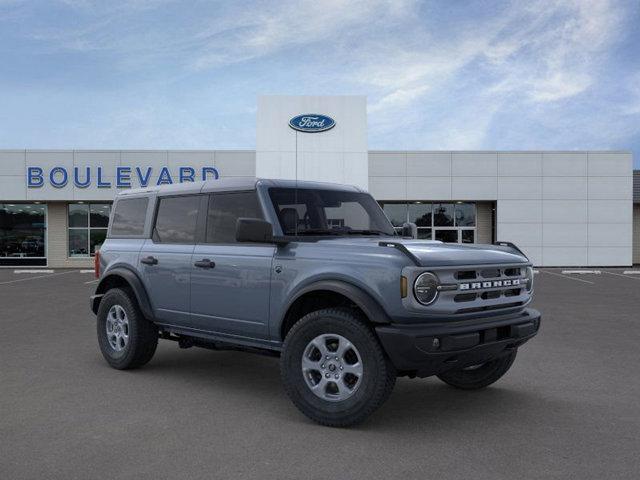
{"x": 569, "y": 407}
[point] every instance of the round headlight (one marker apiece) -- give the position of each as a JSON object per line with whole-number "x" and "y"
{"x": 426, "y": 288}
{"x": 529, "y": 276}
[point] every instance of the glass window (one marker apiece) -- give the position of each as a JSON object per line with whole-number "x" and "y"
{"x": 22, "y": 230}
{"x": 87, "y": 227}
{"x": 129, "y": 216}
{"x": 308, "y": 211}
{"x": 459, "y": 219}
{"x": 447, "y": 236}
{"x": 420, "y": 214}
{"x": 465, "y": 214}
{"x": 97, "y": 237}
{"x": 468, "y": 236}
{"x": 443, "y": 214}
{"x": 224, "y": 211}
{"x": 78, "y": 242}
{"x": 78, "y": 215}
{"x": 99, "y": 215}
{"x": 176, "y": 220}
{"x": 424, "y": 233}
{"x": 396, "y": 213}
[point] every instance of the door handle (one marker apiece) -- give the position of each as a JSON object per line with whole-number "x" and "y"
{"x": 205, "y": 263}
{"x": 149, "y": 260}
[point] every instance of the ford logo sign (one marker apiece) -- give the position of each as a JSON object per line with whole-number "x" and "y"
{"x": 312, "y": 123}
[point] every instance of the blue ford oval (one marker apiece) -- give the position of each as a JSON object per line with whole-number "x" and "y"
{"x": 312, "y": 123}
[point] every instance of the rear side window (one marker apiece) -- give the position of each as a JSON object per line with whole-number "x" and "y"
{"x": 225, "y": 209}
{"x": 129, "y": 216}
{"x": 177, "y": 219}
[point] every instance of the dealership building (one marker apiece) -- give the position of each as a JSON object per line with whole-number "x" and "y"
{"x": 562, "y": 208}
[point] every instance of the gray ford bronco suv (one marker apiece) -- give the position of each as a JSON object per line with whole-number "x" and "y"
{"x": 313, "y": 273}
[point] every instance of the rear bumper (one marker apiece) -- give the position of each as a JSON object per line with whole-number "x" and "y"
{"x": 429, "y": 349}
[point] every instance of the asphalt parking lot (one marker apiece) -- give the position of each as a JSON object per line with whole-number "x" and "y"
{"x": 569, "y": 408}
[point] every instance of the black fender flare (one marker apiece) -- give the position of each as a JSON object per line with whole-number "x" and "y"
{"x": 133, "y": 281}
{"x": 370, "y": 307}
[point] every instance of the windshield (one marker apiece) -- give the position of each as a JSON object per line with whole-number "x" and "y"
{"x": 305, "y": 211}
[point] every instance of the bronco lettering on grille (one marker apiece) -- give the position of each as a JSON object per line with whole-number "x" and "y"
{"x": 490, "y": 284}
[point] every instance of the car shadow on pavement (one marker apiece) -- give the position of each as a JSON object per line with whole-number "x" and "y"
{"x": 414, "y": 402}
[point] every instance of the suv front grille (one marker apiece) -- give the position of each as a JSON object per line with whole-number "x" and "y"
{"x": 484, "y": 288}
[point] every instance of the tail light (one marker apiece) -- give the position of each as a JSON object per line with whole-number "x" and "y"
{"x": 96, "y": 264}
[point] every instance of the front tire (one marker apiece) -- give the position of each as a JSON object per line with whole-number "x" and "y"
{"x": 127, "y": 340}
{"x": 479, "y": 376}
{"x": 334, "y": 369}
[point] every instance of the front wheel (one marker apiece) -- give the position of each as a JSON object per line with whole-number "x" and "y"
{"x": 334, "y": 369}
{"x": 479, "y": 376}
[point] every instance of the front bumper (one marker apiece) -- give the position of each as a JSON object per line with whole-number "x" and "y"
{"x": 429, "y": 349}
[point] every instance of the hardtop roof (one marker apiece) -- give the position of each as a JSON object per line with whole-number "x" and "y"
{"x": 232, "y": 184}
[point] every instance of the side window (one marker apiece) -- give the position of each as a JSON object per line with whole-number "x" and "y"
{"x": 129, "y": 216}
{"x": 225, "y": 209}
{"x": 176, "y": 219}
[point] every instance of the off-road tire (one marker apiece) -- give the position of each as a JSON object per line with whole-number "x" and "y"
{"x": 378, "y": 377}
{"x": 143, "y": 335}
{"x": 482, "y": 376}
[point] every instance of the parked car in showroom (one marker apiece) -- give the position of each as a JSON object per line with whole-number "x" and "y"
{"x": 313, "y": 273}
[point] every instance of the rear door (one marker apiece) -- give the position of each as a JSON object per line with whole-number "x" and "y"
{"x": 230, "y": 281}
{"x": 165, "y": 259}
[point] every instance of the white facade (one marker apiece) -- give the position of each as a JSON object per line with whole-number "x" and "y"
{"x": 336, "y": 155}
{"x": 561, "y": 208}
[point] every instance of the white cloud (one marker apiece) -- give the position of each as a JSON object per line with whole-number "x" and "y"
{"x": 433, "y": 80}
{"x": 533, "y": 53}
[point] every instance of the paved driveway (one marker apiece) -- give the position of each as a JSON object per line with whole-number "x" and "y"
{"x": 569, "y": 408}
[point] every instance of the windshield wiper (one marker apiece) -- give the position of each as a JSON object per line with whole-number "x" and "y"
{"x": 315, "y": 231}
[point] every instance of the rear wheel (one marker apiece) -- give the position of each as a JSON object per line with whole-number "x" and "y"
{"x": 127, "y": 339}
{"x": 479, "y": 376}
{"x": 334, "y": 369}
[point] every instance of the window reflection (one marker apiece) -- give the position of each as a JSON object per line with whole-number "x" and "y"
{"x": 87, "y": 227}
{"x": 22, "y": 230}
{"x": 396, "y": 213}
{"x": 448, "y": 222}
{"x": 443, "y": 214}
{"x": 420, "y": 214}
{"x": 465, "y": 214}
{"x": 447, "y": 236}
{"x": 468, "y": 236}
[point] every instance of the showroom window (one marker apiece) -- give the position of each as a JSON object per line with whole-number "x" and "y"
{"x": 88, "y": 223}
{"x": 23, "y": 229}
{"x": 451, "y": 222}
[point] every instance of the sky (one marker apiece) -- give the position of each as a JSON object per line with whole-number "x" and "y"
{"x": 455, "y": 75}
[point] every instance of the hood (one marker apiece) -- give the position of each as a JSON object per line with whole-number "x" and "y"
{"x": 436, "y": 254}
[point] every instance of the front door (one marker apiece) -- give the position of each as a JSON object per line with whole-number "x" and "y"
{"x": 165, "y": 259}
{"x": 230, "y": 281}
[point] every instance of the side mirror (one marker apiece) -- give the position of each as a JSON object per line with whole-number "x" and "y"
{"x": 253, "y": 230}
{"x": 410, "y": 230}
